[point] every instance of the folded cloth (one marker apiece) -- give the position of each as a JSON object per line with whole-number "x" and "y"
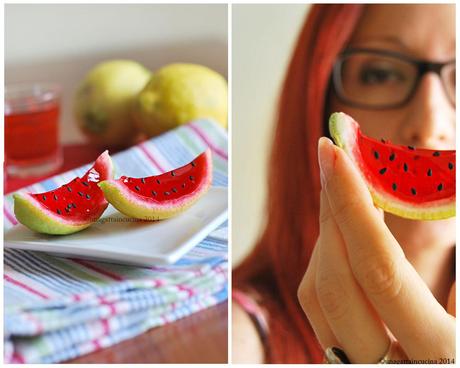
{"x": 61, "y": 308}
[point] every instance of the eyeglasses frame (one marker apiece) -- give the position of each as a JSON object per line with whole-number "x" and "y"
{"x": 423, "y": 67}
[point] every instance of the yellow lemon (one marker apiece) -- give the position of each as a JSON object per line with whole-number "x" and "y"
{"x": 179, "y": 93}
{"x": 103, "y": 102}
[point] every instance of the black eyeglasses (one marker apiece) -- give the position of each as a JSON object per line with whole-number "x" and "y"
{"x": 379, "y": 79}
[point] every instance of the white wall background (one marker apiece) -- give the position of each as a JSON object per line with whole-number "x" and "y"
{"x": 61, "y": 42}
{"x": 262, "y": 37}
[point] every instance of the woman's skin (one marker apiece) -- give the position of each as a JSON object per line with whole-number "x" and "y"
{"x": 246, "y": 343}
{"x": 367, "y": 275}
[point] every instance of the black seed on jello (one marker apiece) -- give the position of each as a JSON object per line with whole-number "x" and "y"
{"x": 66, "y": 209}
{"x": 80, "y": 194}
{"x": 440, "y": 186}
{"x": 383, "y": 171}
{"x": 85, "y": 183}
{"x": 191, "y": 177}
{"x": 167, "y": 193}
{"x": 394, "y": 186}
{"x": 174, "y": 190}
{"x": 69, "y": 189}
{"x": 69, "y": 205}
{"x": 383, "y": 140}
{"x": 392, "y": 156}
{"x": 429, "y": 172}
{"x": 154, "y": 193}
{"x": 413, "y": 191}
{"x": 44, "y": 198}
{"x": 58, "y": 211}
{"x": 158, "y": 181}
{"x": 183, "y": 185}
{"x": 193, "y": 163}
{"x": 137, "y": 188}
{"x": 411, "y": 147}
{"x": 451, "y": 165}
{"x": 55, "y": 197}
{"x": 436, "y": 153}
{"x": 376, "y": 155}
{"x": 405, "y": 167}
{"x": 143, "y": 181}
{"x": 88, "y": 196}
{"x": 173, "y": 173}
{"x": 74, "y": 205}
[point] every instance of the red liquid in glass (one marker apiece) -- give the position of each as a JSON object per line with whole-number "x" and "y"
{"x": 32, "y": 135}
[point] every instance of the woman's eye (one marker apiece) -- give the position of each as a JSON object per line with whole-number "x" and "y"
{"x": 373, "y": 75}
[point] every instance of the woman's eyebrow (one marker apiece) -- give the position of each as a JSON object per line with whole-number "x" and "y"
{"x": 388, "y": 39}
{"x": 391, "y": 40}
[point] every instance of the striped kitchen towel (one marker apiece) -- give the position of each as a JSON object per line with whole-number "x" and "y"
{"x": 57, "y": 309}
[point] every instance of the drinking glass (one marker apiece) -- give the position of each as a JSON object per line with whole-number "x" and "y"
{"x": 32, "y": 129}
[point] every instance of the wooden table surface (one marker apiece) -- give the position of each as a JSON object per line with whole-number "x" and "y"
{"x": 198, "y": 338}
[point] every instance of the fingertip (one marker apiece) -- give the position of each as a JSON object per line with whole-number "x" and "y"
{"x": 347, "y": 172}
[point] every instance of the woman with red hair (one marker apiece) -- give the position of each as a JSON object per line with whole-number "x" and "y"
{"x": 329, "y": 279}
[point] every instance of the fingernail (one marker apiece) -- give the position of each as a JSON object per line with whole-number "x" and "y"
{"x": 326, "y": 157}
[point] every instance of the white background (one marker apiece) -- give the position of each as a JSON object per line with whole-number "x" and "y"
{"x": 262, "y": 37}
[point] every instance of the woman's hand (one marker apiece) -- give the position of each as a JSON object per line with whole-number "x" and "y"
{"x": 359, "y": 290}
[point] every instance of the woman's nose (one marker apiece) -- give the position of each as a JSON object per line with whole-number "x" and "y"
{"x": 430, "y": 118}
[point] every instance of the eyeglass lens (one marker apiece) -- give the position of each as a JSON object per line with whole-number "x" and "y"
{"x": 378, "y": 80}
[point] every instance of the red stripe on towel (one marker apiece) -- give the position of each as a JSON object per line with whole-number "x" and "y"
{"x": 105, "y": 326}
{"x": 18, "y": 358}
{"x": 206, "y": 140}
{"x": 111, "y": 305}
{"x": 151, "y": 158}
{"x": 96, "y": 345}
{"x": 25, "y": 287}
{"x": 98, "y": 269}
{"x": 189, "y": 290}
{"x": 9, "y": 216}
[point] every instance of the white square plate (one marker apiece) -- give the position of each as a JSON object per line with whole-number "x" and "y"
{"x": 116, "y": 238}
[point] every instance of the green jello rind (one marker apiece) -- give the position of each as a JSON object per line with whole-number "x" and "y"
{"x": 36, "y": 219}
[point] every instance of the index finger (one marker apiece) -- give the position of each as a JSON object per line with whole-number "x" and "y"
{"x": 390, "y": 282}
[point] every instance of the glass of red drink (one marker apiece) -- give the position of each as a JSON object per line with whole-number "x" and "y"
{"x": 32, "y": 129}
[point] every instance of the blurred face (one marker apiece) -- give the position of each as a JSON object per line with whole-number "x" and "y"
{"x": 427, "y": 118}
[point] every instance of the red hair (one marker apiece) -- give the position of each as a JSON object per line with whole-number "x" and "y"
{"x": 279, "y": 260}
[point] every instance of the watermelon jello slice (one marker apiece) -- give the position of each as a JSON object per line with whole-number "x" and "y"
{"x": 69, "y": 208}
{"x": 404, "y": 180}
{"x": 161, "y": 196}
